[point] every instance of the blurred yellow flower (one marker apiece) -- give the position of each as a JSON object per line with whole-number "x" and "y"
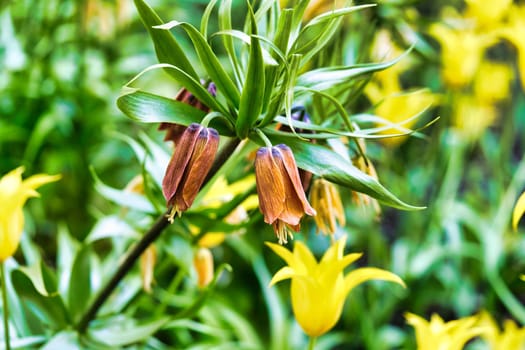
{"x": 398, "y": 109}
{"x": 13, "y": 194}
{"x": 515, "y": 33}
{"x": 511, "y": 337}
{"x": 220, "y": 193}
{"x": 461, "y": 52}
{"x": 440, "y": 335}
{"x": 492, "y": 83}
{"x": 319, "y": 289}
{"x": 471, "y": 116}
{"x": 203, "y": 264}
{"x": 519, "y": 210}
{"x": 487, "y": 13}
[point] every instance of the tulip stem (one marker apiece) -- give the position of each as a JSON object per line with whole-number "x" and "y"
{"x": 5, "y": 310}
{"x": 149, "y": 237}
{"x": 311, "y": 343}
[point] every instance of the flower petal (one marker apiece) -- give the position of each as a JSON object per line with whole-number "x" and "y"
{"x": 270, "y": 187}
{"x": 293, "y": 174}
{"x": 282, "y": 274}
{"x": 518, "y": 212}
{"x": 284, "y": 253}
{"x": 364, "y": 274}
{"x": 179, "y": 161}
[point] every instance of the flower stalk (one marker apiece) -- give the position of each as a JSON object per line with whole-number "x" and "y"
{"x": 149, "y": 237}
{"x": 5, "y": 307}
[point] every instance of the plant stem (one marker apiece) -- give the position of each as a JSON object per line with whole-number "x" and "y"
{"x": 311, "y": 343}
{"x": 5, "y": 307}
{"x": 154, "y": 232}
{"x": 149, "y": 237}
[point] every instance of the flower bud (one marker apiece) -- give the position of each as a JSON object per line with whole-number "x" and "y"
{"x": 203, "y": 264}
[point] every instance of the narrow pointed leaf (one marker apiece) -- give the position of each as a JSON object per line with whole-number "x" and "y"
{"x": 330, "y": 165}
{"x": 150, "y": 108}
{"x": 253, "y": 90}
{"x": 166, "y": 47}
{"x": 80, "y": 285}
{"x": 209, "y": 61}
{"x": 324, "y": 78}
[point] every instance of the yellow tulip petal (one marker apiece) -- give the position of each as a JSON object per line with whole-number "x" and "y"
{"x": 364, "y": 274}
{"x": 304, "y": 255}
{"x": 518, "y": 212}
{"x": 36, "y": 181}
{"x": 284, "y": 253}
{"x": 284, "y": 273}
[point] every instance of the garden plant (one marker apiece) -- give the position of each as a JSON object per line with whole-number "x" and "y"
{"x": 227, "y": 174}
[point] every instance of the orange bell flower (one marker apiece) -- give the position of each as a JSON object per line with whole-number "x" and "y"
{"x": 281, "y": 195}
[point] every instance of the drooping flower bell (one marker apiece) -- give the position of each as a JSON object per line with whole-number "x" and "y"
{"x": 281, "y": 195}
{"x": 13, "y": 194}
{"x": 189, "y": 166}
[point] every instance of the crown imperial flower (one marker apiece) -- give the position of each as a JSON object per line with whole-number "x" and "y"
{"x": 281, "y": 195}
{"x": 189, "y": 166}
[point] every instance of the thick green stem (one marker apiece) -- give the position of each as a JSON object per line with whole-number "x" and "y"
{"x": 311, "y": 343}
{"x": 153, "y": 233}
{"x": 5, "y": 307}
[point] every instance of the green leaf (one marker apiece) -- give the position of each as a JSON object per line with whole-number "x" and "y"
{"x": 323, "y": 162}
{"x": 329, "y": 16}
{"x": 253, "y": 90}
{"x": 49, "y": 309}
{"x": 324, "y": 78}
{"x": 225, "y": 25}
{"x": 121, "y": 197}
{"x": 34, "y": 272}
{"x": 209, "y": 61}
{"x": 80, "y": 283}
{"x": 150, "y": 108}
{"x": 116, "y": 334}
{"x": 166, "y": 47}
{"x": 66, "y": 340}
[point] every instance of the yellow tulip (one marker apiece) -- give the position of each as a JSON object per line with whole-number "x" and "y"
{"x": 13, "y": 194}
{"x": 461, "y": 52}
{"x": 515, "y": 33}
{"x": 440, "y": 335}
{"x": 487, "y": 13}
{"x": 511, "y": 337}
{"x": 319, "y": 289}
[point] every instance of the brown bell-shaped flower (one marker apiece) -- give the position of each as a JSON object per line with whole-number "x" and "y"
{"x": 281, "y": 195}
{"x": 189, "y": 166}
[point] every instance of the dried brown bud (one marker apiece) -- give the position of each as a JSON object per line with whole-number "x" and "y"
{"x": 281, "y": 195}
{"x": 189, "y": 166}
